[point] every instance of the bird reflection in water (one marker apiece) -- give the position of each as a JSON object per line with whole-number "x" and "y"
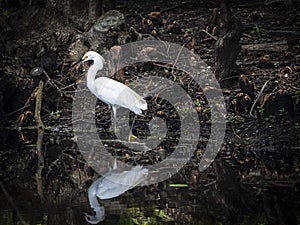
{"x": 111, "y": 185}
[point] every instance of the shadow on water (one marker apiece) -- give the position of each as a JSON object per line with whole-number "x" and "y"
{"x": 216, "y": 196}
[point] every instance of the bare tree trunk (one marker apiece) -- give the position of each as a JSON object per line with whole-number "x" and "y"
{"x": 227, "y": 46}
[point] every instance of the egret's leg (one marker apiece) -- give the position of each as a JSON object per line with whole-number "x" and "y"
{"x": 130, "y": 132}
{"x": 114, "y": 109}
{"x": 115, "y": 164}
{"x": 131, "y": 136}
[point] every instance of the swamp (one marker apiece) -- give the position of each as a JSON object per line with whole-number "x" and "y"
{"x": 219, "y": 141}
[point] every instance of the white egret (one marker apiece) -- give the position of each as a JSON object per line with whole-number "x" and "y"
{"x": 111, "y": 185}
{"x": 111, "y": 92}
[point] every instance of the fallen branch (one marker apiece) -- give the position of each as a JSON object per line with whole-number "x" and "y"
{"x": 39, "y": 142}
{"x": 283, "y": 31}
{"x": 279, "y": 46}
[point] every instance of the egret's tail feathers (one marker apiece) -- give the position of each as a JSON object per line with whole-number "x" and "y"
{"x": 141, "y": 105}
{"x": 144, "y": 106}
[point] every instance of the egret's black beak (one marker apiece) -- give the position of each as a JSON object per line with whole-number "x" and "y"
{"x": 76, "y": 63}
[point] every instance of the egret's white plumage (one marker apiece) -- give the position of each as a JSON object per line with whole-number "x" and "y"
{"x": 111, "y": 92}
{"x": 117, "y": 94}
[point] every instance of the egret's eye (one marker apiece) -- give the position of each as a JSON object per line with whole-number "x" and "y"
{"x": 85, "y": 57}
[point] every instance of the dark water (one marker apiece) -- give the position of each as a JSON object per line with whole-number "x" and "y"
{"x": 178, "y": 206}
{"x": 215, "y": 196}
{"x": 131, "y": 208}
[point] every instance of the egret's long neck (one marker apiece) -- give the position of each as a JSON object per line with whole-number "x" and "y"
{"x": 90, "y": 81}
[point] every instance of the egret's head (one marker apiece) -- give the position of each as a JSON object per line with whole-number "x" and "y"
{"x": 90, "y": 56}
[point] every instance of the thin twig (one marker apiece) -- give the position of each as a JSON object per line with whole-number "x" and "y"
{"x": 212, "y": 36}
{"x": 54, "y": 85}
{"x": 210, "y": 183}
{"x": 169, "y": 67}
{"x": 239, "y": 137}
{"x": 258, "y": 97}
{"x": 32, "y": 95}
{"x": 20, "y": 109}
{"x": 71, "y": 85}
{"x": 177, "y": 57}
{"x": 50, "y": 81}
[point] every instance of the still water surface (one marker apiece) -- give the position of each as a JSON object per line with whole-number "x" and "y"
{"x": 215, "y": 196}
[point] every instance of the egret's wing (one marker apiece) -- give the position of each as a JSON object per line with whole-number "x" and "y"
{"x": 116, "y": 184}
{"x": 129, "y": 177}
{"x": 108, "y": 90}
{"x": 115, "y": 93}
{"x": 131, "y": 100}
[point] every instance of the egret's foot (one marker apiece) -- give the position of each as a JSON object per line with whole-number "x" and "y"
{"x": 132, "y": 138}
{"x": 89, "y": 218}
{"x": 100, "y": 215}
